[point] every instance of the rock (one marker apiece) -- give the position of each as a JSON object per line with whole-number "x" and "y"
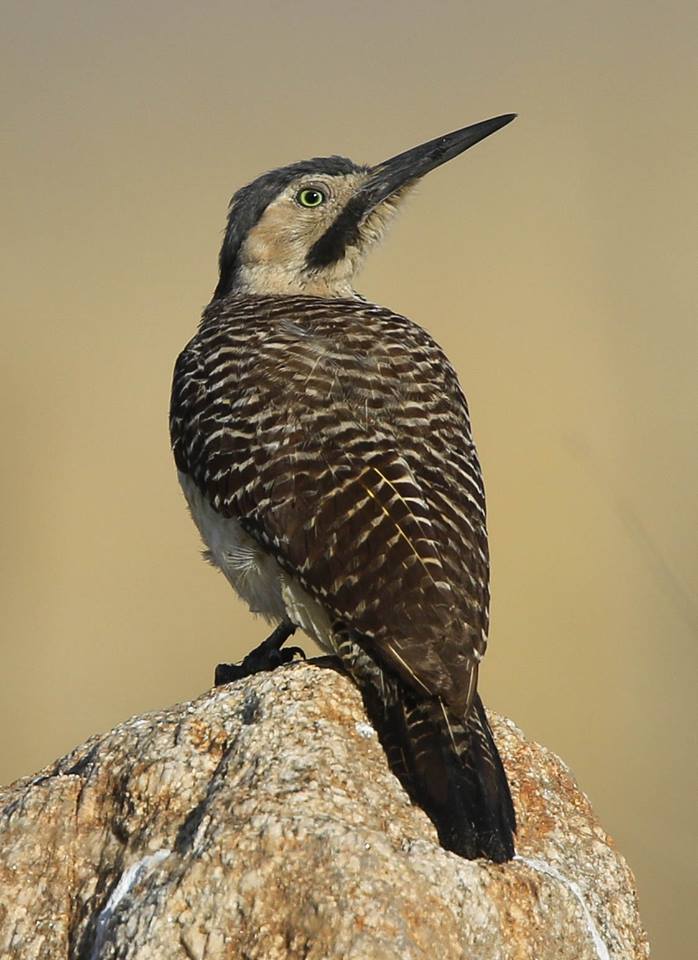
{"x": 262, "y": 821}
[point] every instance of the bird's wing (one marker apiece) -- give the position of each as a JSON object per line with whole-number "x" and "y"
{"x": 345, "y": 451}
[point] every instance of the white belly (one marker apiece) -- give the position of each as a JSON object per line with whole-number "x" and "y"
{"x": 254, "y": 573}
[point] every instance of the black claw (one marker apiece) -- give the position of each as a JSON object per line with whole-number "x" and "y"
{"x": 290, "y": 652}
{"x": 267, "y": 656}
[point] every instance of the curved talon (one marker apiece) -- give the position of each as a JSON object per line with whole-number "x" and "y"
{"x": 291, "y": 652}
{"x": 267, "y": 656}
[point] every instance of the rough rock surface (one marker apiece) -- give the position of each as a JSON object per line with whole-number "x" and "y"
{"x": 261, "y": 822}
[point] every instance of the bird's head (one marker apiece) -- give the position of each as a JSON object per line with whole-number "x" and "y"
{"x": 304, "y": 229}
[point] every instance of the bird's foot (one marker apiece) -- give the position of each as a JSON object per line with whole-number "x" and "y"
{"x": 267, "y": 656}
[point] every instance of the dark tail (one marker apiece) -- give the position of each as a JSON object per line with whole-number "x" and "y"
{"x": 457, "y": 777}
{"x": 453, "y": 771}
{"x": 450, "y": 767}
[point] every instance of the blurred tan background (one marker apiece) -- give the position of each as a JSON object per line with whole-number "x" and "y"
{"x": 555, "y": 263}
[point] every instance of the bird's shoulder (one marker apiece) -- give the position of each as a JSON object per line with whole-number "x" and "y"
{"x": 303, "y": 371}
{"x": 315, "y": 352}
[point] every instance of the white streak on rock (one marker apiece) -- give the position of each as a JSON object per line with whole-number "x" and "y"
{"x": 365, "y": 730}
{"x": 128, "y": 879}
{"x": 546, "y": 868}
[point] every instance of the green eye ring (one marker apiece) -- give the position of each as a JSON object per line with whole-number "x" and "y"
{"x": 310, "y": 197}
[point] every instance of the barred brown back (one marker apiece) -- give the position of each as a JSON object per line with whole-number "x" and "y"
{"x": 336, "y": 432}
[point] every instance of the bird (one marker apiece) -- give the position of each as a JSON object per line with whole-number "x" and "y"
{"x": 324, "y": 447}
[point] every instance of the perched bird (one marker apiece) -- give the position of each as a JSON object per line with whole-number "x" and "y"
{"x": 324, "y": 447}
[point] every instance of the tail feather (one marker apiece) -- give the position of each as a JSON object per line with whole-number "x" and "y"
{"x": 450, "y": 767}
{"x": 459, "y": 779}
{"x": 496, "y": 802}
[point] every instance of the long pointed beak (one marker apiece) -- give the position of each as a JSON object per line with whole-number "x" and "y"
{"x": 388, "y": 177}
{"x": 391, "y": 175}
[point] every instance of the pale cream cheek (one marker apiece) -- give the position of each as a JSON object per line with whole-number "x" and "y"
{"x": 282, "y": 236}
{"x": 273, "y": 259}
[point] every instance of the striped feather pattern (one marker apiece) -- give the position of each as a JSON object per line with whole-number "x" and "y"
{"x": 336, "y": 433}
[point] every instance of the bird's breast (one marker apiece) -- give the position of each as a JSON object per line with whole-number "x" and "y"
{"x": 254, "y": 573}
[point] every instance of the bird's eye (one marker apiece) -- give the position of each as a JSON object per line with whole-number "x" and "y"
{"x": 310, "y": 197}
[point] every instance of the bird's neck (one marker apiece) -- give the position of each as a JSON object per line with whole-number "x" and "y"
{"x": 278, "y": 280}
